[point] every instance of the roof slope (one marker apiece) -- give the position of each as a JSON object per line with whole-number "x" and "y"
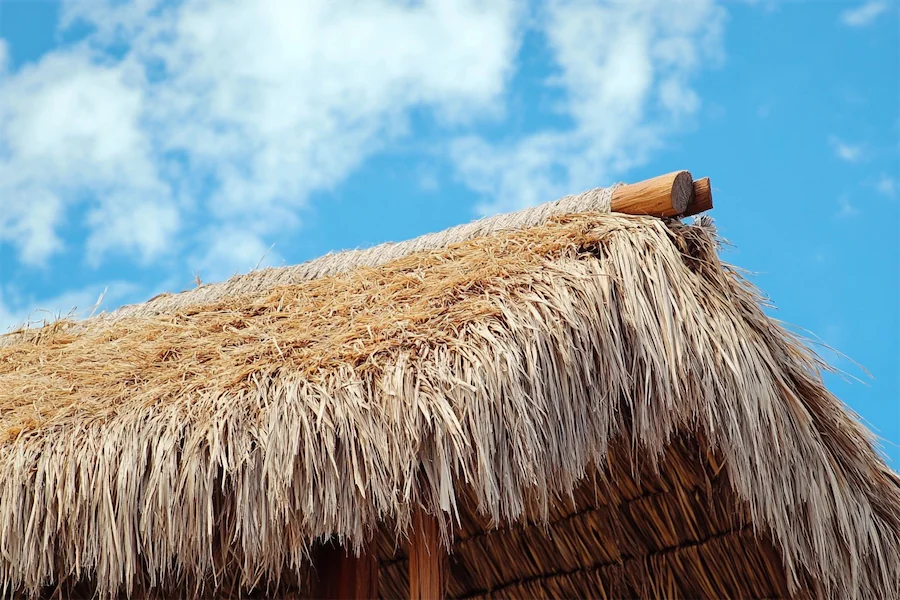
{"x": 504, "y": 366}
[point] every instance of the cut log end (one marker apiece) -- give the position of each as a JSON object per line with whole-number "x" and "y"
{"x": 702, "y": 199}
{"x": 682, "y": 192}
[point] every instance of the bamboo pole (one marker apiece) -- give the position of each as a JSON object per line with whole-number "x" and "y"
{"x": 428, "y": 561}
{"x": 702, "y": 197}
{"x": 664, "y": 196}
{"x": 341, "y": 576}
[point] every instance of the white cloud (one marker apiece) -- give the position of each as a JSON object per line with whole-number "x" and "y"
{"x": 172, "y": 122}
{"x": 625, "y": 69}
{"x": 768, "y": 7}
{"x": 827, "y": 346}
{"x": 846, "y": 151}
{"x": 4, "y": 55}
{"x": 864, "y": 14}
{"x": 132, "y": 223}
{"x": 17, "y": 309}
{"x": 70, "y": 132}
{"x": 113, "y": 20}
{"x": 30, "y": 218}
{"x": 846, "y": 209}
{"x": 278, "y": 99}
{"x": 886, "y": 185}
{"x": 199, "y": 129}
{"x": 428, "y": 180}
{"x": 229, "y": 250}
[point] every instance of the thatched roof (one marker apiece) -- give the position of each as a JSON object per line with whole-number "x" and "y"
{"x": 600, "y": 405}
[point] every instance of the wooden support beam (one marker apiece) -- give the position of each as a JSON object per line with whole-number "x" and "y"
{"x": 338, "y": 575}
{"x": 702, "y": 198}
{"x": 428, "y": 560}
{"x": 664, "y": 196}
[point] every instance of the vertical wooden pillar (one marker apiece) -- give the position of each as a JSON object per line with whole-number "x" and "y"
{"x": 339, "y": 575}
{"x": 428, "y": 561}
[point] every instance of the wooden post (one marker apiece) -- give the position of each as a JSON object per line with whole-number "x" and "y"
{"x": 664, "y": 196}
{"x": 702, "y": 197}
{"x": 338, "y": 575}
{"x": 428, "y": 561}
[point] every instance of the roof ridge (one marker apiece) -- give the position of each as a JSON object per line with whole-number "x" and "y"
{"x": 597, "y": 199}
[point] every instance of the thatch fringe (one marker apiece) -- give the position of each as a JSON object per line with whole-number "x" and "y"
{"x": 230, "y": 435}
{"x": 630, "y": 531}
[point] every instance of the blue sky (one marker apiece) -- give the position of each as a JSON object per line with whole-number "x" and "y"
{"x": 143, "y": 144}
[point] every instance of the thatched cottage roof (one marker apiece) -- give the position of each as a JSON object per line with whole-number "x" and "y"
{"x": 594, "y": 403}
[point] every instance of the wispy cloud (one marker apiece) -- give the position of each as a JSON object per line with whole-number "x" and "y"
{"x": 172, "y": 123}
{"x": 18, "y": 309}
{"x": 828, "y": 345}
{"x": 846, "y": 151}
{"x": 427, "y": 180}
{"x": 768, "y": 6}
{"x": 228, "y": 250}
{"x": 626, "y": 72}
{"x": 846, "y": 209}
{"x": 4, "y": 55}
{"x": 864, "y": 14}
{"x": 886, "y": 185}
{"x": 174, "y": 128}
{"x": 71, "y": 128}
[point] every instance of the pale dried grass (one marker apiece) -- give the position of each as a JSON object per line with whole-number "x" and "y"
{"x": 223, "y": 438}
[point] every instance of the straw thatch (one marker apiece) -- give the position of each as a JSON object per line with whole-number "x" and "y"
{"x": 599, "y": 406}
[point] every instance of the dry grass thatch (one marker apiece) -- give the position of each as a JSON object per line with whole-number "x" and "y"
{"x": 600, "y": 387}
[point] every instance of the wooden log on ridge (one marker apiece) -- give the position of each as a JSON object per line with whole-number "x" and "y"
{"x": 702, "y": 198}
{"x": 664, "y": 196}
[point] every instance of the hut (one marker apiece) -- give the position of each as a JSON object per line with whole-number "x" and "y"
{"x": 576, "y": 400}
